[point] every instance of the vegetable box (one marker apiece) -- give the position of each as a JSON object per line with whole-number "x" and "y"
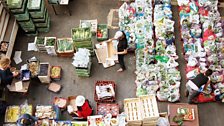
{"x": 39, "y": 41}
{"x": 65, "y": 45}
{"x": 50, "y": 41}
{"x": 56, "y": 72}
{"x": 102, "y": 32}
{"x": 81, "y": 34}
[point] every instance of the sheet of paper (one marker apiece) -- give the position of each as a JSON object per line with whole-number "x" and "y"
{"x": 17, "y": 57}
{"x": 19, "y": 85}
{"x": 24, "y": 67}
{"x": 32, "y": 47}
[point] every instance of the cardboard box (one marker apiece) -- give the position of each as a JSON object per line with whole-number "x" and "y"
{"x": 104, "y": 52}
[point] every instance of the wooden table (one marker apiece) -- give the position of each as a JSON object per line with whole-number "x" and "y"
{"x": 172, "y": 111}
{"x": 26, "y": 85}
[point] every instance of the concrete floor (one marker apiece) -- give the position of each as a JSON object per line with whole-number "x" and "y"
{"x": 210, "y": 113}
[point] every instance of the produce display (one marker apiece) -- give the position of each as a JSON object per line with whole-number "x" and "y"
{"x": 81, "y": 34}
{"x": 79, "y": 123}
{"x": 156, "y": 58}
{"x": 102, "y": 32}
{"x": 188, "y": 114}
{"x": 26, "y": 109}
{"x": 34, "y": 68}
{"x": 12, "y": 114}
{"x": 50, "y": 41}
{"x": 203, "y": 41}
{"x": 64, "y": 45}
{"x": 56, "y": 72}
{"x": 39, "y": 40}
{"x": 45, "y": 112}
{"x": 95, "y": 120}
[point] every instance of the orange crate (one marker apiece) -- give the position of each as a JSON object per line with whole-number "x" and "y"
{"x": 103, "y": 83}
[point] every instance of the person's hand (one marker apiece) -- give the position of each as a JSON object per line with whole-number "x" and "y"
{"x": 15, "y": 73}
{"x": 114, "y": 52}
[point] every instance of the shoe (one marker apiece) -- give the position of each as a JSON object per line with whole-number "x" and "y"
{"x": 120, "y": 70}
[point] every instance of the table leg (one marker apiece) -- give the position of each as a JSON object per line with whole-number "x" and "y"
{"x": 54, "y": 10}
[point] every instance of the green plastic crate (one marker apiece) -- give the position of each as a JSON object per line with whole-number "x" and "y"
{"x": 40, "y": 13}
{"x": 20, "y": 10}
{"x": 44, "y": 24}
{"x": 102, "y": 28}
{"x": 84, "y": 72}
{"x": 53, "y": 1}
{"x": 26, "y": 24}
{"x": 32, "y": 29}
{"x": 37, "y": 20}
{"x": 34, "y": 5}
{"x": 83, "y": 44}
{"x": 81, "y": 34}
{"x": 45, "y": 29}
{"x": 35, "y": 33}
{"x": 22, "y": 17}
{"x": 15, "y": 4}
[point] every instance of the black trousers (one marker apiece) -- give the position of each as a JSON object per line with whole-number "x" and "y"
{"x": 121, "y": 61}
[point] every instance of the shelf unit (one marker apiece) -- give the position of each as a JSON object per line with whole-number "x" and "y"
{"x": 8, "y": 29}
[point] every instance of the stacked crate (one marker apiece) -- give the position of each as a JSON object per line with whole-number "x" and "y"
{"x": 82, "y": 38}
{"x": 39, "y": 15}
{"x": 84, "y": 72}
{"x": 20, "y": 11}
{"x": 50, "y": 43}
{"x": 31, "y": 15}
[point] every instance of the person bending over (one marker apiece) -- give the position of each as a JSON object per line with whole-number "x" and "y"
{"x": 194, "y": 85}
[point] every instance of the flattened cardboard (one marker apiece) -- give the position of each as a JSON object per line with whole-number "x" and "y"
{"x": 104, "y": 52}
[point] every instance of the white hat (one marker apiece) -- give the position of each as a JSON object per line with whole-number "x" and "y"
{"x": 80, "y": 100}
{"x": 118, "y": 34}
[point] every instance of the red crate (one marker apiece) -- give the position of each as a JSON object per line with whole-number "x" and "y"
{"x": 104, "y": 109}
{"x": 103, "y": 83}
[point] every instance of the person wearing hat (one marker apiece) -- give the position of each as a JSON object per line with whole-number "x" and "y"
{"x": 121, "y": 48}
{"x": 84, "y": 109}
{"x": 26, "y": 120}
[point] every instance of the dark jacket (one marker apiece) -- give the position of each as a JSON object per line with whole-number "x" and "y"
{"x": 6, "y": 77}
{"x": 32, "y": 119}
